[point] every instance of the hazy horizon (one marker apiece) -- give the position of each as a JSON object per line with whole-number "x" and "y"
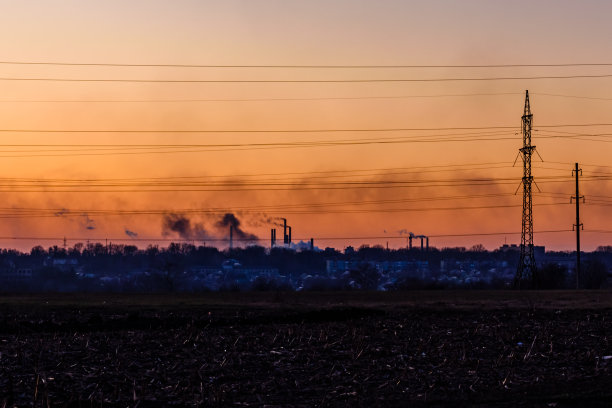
{"x": 437, "y": 159}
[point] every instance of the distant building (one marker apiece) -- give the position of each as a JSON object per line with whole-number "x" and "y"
{"x": 338, "y": 267}
{"x": 231, "y": 272}
{"x": 63, "y": 264}
{"x": 509, "y": 248}
{"x": 15, "y": 276}
{"x": 539, "y": 251}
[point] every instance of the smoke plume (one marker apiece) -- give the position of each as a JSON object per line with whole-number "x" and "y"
{"x": 263, "y": 220}
{"x": 88, "y": 223}
{"x": 61, "y": 212}
{"x": 181, "y": 225}
{"x": 230, "y": 220}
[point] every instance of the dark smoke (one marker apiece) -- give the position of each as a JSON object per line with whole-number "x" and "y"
{"x": 182, "y": 225}
{"x": 275, "y": 221}
{"x": 88, "y": 223}
{"x": 230, "y": 219}
{"x": 131, "y": 234}
{"x": 263, "y": 220}
{"x": 61, "y": 212}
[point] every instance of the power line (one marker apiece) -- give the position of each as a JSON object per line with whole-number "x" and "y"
{"x": 320, "y": 130}
{"x": 287, "y": 211}
{"x": 261, "y": 182}
{"x": 250, "y": 99}
{"x": 422, "y": 169}
{"x": 231, "y": 147}
{"x": 494, "y": 233}
{"x": 67, "y": 211}
{"x": 8, "y": 181}
{"x": 111, "y": 150}
{"x": 264, "y": 187}
{"x": 263, "y": 211}
{"x": 574, "y": 133}
{"x": 108, "y": 146}
{"x": 301, "y": 66}
{"x": 241, "y": 81}
{"x": 573, "y": 96}
{"x": 587, "y": 165}
{"x": 214, "y": 239}
{"x": 440, "y": 168}
{"x": 196, "y": 100}
{"x": 489, "y": 136}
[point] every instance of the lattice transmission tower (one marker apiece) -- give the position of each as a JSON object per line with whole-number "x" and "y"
{"x": 526, "y": 271}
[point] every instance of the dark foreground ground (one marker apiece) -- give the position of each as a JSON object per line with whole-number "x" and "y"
{"x": 423, "y": 349}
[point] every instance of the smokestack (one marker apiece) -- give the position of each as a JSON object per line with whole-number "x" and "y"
{"x": 231, "y": 246}
{"x": 284, "y": 231}
{"x": 272, "y": 238}
{"x": 410, "y": 242}
{"x": 289, "y": 238}
{"x": 421, "y": 242}
{"x": 312, "y": 244}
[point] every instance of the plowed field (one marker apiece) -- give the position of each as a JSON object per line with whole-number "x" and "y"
{"x": 489, "y": 349}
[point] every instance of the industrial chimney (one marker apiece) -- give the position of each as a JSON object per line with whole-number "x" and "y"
{"x": 272, "y": 237}
{"x": 421, "y": 237}
{"x": 289, "y": 237}
{"x": 285, "y": 239}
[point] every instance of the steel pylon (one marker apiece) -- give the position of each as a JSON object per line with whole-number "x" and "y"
{"x": 526, "y": 270}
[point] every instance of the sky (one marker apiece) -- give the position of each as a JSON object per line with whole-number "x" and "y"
{"x": 451, "y": 177}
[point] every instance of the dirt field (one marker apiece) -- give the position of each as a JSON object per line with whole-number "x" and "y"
{"x": 430, "y": 349}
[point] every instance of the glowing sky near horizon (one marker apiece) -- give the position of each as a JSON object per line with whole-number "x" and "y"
{"x": 308, "y": 33}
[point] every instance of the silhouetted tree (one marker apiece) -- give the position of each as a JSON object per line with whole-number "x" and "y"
{"x": 365, "y": 276}
{"x": 550, "y": 276}
{"x": 593, "y": 274}
{"x": 38, "y": 251}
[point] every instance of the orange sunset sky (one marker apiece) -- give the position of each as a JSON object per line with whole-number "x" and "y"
{"x": 448, "y": 174}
